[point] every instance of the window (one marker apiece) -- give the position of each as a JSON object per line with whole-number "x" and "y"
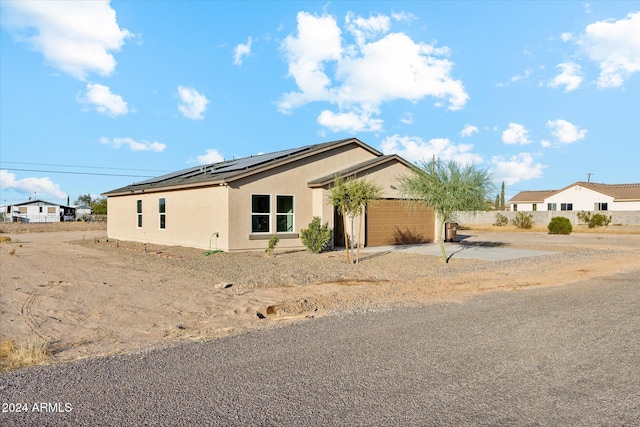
{"x": 139, "y": 210}
{"x": 566, "y": 206}
{"x": 40, "y": 208}
{"x": 535, "y": 207}
{"x": 600, "y": 206}
{"x": 515, "y": 208}
{"x": 260, "y": 213}
{"x": 284, "y": 214}
{"x": 22, "y": 210}
{"x": 551, "y": 207}
{"x": 162, "y": 213}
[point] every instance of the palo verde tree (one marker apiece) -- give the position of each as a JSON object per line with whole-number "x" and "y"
{"x": 351, "y": 197}
{"x": 447, "y": 187}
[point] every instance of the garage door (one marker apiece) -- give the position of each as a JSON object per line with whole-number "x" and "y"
{"x": 397, "y": 222}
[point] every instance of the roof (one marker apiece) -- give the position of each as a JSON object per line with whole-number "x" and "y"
{"x": 619, "y": 192}
{"x": 358, "y": 168}
{"x": 230, "y": 170}
{"x": 33, "y": 201}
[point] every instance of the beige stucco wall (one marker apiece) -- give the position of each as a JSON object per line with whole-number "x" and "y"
{"x": 192, "y": 216}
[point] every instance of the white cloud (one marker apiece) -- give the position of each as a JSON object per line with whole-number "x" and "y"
{"x": 77, "y": 37}
{"x": 468, "y": 130}
{"x": 520, "y": 167}
{"x": 416, "y": 149}
{"x": 105, "y": 102}
{"x": 241, "y": 51}
{"x": 133, "y": 144}
{"x": 349, "y": 122}
{"x": 210, "y": 156}
{"x": 193, "y": 104}
{"x": 565, "y": 37}
{"x": 41, "y": 187}
{"x": 570, "y": 76}
{"x": 566, "y": 132}
{"x": 380, "y": 67}
{"x": 407, "y": 118}
{"x": 615, "y": 46}
{"x": 515, "y": 134}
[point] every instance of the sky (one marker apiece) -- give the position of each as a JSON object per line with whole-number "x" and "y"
{"x": 96, "y": 95}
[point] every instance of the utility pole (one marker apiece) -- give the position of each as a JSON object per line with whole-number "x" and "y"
{"x": 589, "y": 176}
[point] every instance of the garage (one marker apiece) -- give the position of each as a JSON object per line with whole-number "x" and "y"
{"x": 398, "y": 222}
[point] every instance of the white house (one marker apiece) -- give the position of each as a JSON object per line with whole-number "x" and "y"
{"x": 34, "y": 211}
{"x": 580, "y": 196}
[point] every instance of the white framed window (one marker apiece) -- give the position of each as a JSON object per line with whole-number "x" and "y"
{"x": 162, "y": 212}
{"x": 601, "y": 206}
{"x": 551, "y": 207}
{"x": 284, "y": 214}
{"x": 139, "y": 212}
{"x": 566, "y": 206}
{"x": 260, "y": 213}
{"x": 534, "y": 207}
{"x": 515, "y": 208}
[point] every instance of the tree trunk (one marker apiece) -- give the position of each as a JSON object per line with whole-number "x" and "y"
{"x": 359, "y": 235}
{"x": 353, "y": 232}
{"x": 346, "y": 239}
{"x": 441, "y": 242}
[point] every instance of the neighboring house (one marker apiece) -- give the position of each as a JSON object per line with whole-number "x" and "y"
{"x": 35, "y": 211}
{"x": 239, "y": 204}
{"x": 580, "y": 196}
{"x": 82, "y": 211}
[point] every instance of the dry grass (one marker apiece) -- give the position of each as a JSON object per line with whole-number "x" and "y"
{"x": 5, "y": 239}
{"x": 612, "y": 229}
{"x": 12, "y": 356}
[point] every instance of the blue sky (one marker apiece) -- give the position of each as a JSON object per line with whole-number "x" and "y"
{"x": 97, "y": 95}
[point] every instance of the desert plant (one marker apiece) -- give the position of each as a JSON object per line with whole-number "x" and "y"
{"x": 560, "y": 225}
{"x": 523, "y": 220}
{"x": 317, "y": 236}
{"x": 501, "y": 220}
{"x": 29, "y": 353}
{"x": 272, "y": 245}
{"x": 594, "y": 220}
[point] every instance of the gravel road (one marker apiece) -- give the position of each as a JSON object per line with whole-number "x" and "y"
{"x": 567, "y": 355}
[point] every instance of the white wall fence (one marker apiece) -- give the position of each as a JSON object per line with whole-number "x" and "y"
{"x": 29, "y": 218}
{"x": 543, "y": 217}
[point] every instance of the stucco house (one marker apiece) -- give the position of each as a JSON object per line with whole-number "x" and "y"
{"x": 580, "y": 196}
{"x": 35, "y": 210}
{"x": 239, "y": 204}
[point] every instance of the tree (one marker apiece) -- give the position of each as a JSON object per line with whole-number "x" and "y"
{"x": 350, "y": 197}
{"x": 502, "y": 197}
{"x": 447, "y": 187}
{"x": 84, "y": 200}
{"x": 99, "y": 206}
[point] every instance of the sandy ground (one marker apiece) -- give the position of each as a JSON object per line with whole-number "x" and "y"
{"x": 85, "y": 296}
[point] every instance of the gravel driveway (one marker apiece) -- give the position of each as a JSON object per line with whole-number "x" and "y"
{"x": 564, "y": 355}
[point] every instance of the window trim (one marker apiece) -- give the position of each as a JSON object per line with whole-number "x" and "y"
{"x": 292, "y": 214}
{"x": 162, "y": 213}
{"x": 139, "y": 213}
{"x": 267, "y": 214}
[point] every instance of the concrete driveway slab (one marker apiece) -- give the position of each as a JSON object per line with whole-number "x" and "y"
{"x": 462, "y": 250}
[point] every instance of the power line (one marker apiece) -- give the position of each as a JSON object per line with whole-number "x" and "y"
{"x": 85, "y": 167}
{"x": 79, "y": 173}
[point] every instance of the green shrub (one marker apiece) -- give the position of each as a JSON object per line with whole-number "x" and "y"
{"x": 594, "y": 220}
{"x": 316, "y": 238}
{"x": 523, "y": 220}
{"x": 272, "y": 245}
{"x": 560, "y": 225}
{"x": 501, "y": 220}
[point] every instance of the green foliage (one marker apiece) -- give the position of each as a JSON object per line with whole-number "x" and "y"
{"x": 501, "y": 220}
{"x": 317, "y": 236}
{"x": 448, "y": 187}
{"x": 272, "y": 245}
{"x": 502, "y": 197}
{"x": 560, "y": 225}
{"x": 594, "y": 220}
{"x": 523, "y": 220}
{"x": 99, "y": 206}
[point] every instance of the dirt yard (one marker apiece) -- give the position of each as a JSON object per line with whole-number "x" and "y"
{"x": 83, "y": 295}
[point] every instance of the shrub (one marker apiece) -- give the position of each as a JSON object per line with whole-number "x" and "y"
{"x": 594, "y": 220}
{"x": 523, "y": 220}
{"x": 501, "y": 220}
{"x": 560, "y": 225}
{"x": 272, "y": 245}
{"x": 317, "y": 236}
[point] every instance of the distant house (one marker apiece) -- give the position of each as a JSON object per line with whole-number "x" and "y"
{"x": 35, "y": 211}
{"x": 82, "y": 211}
{"x": 239, "y": 204}
{"x": 580, "y": 196}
